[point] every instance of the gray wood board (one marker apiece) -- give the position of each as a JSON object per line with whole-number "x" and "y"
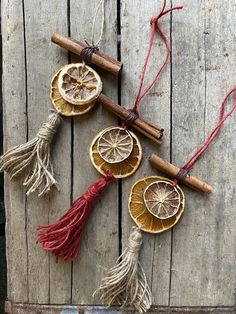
{"x": 135, "y": 31}
{"x": 193, "y": 265}
{"x": 203, "y": 253}
{"x": 15, "y": 125}
{"x": 99, "y": 247}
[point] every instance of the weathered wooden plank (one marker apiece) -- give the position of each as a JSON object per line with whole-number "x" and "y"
{"x": 12, "y": 308}
{"x": 203, "y": 269}
{"x": 48, "y": 282}
{"x": 135, "y": 29}
{"x": 203, "y": 257}
{"x": 3, "y": 274}
{"x": 14, "y": 106}
{"x": 99, "y": 246}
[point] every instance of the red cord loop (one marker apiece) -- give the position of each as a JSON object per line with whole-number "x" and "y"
{"x": 154, "y": 22}
{"x": 222, "y": 118}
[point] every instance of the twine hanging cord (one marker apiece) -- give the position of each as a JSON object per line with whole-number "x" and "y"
{"x": 86, "y": 53}
{"x": 184, "y": 170}
{"x": 155, "y": 27}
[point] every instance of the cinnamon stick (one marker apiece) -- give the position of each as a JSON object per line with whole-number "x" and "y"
{"x": 171, "y": 170}
{"x": 101, "y": 60}
{"x": 151, "y": 131}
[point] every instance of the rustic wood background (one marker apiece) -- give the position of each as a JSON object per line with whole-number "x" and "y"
{"x": 195, "y": 263}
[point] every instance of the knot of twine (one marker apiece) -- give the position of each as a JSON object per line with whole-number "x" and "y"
{"x": 223, "y": 116}
{"x": 86, "y": 53}
{"x": 135, "y": 241}
{"x": 132, "y": 116}
{"x": 108, "y": 174}
{"x": 49, "y": 128}
{"x": 182, "y": 174}
{"x": 154, "y": 19}
{"x": 95, "y": 189}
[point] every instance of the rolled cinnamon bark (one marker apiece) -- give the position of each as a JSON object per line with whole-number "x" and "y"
{"x": 172, "y": 171}
{"x": 101, "y": 60}
{"x": 151, "y": 131}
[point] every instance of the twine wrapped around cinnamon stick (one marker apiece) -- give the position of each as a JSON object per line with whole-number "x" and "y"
{"x": 172, "y": 171}
{"x": 148, "y": 129}
{"x": 101, "y": 60}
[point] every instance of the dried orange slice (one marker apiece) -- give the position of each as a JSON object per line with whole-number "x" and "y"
{"x": 121, "y": 169}
{"x": 142, "y": 216}
{"x": 79, "y": 84}
{"x": 115, "y": 145}
{"x": 61, "y": 105}
{"x": 162, "y": 199}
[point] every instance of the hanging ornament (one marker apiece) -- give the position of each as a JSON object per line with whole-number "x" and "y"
{"x": 74, "y": 90}
{"x": 116, "y": 149}
{"x": 116, "y": 153}
{"x": 155, "y": 204}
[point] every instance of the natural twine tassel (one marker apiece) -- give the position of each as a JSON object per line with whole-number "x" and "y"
{"x": 31, "y": 161}
{"x": 126, "y": 283}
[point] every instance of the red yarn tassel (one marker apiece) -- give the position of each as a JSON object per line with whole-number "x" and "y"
{"x": 62, "y": 237}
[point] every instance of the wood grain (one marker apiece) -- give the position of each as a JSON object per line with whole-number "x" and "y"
{"x": 14, "y": 118}
{"x": 203, "y": 268}
{"x": 193, "y": 265}
{"x": 156, "y": 250}
{"x": 48, "y": 281}
{"x": 99, "y": 247}
{"x": 18, "y": 308}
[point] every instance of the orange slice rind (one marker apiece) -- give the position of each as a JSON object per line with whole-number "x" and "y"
{"x": 79, "y": 84}
{"x": 121, "y": 169}
{"x": 115, "y": 145}
{"x": 144, "y": 219}
{"x": 61, "y": 105}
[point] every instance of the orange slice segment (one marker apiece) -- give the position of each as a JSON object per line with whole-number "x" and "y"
{"x": 79, "y": 84}
{"x": 144, "y": 219}
{"x": 61, "y": 105}
{"x": 115, "y": 145}
{"x": 121, "y": 169}
{"x": 162, "y": 199}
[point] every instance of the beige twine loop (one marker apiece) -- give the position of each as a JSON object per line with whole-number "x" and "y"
{"x": 32, "y": 161}
{"x": 126, "y": 284}
{"x": 100, "y": 4}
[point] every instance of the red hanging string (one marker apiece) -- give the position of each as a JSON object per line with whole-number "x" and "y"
{"x": 62, "y": 237}
{"x": 154, "y": 27}
{"x": 222, "y": 118}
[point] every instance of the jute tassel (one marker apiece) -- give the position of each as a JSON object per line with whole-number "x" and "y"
{"x": 31, "y": 161}
{"x": 126, "y": 283}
